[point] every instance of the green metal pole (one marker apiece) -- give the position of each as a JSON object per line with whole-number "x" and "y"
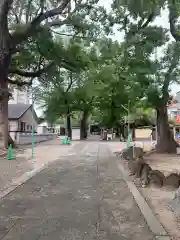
{"x": 33, "y": 140}
{"x": 128, "y": 120}
{"x": 128, "y": 117}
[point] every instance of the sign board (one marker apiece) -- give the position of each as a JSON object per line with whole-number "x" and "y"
{"x": 177, "y": 135}
{"x": 178, "y": 118}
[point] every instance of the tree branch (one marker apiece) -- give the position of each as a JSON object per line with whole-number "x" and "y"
{"x": 172, "y": 20}
{"x": 16, "y": 16}
{"x": 149, "y": 19}
{"x": 4, "y": 8}
{"x": 30, "y": 74}
{"x": 56, "y": 23}
{"x": 19, "y": 37}
{"x": 143, "y": 25}
{"x": 73, "y": 35}
{"x": 65, "y": 64}
{"x": 70, "y": 83}
{"x": 20, "y": 83}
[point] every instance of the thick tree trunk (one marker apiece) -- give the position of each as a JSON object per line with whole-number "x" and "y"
{"x": 68, "y": 122}
{"x": 83, "y": 125}
{"x": 117, "y": 132}
{"x": 4, "y": 115}
{"x": 133, "y": 132}
{"x": 5, "y": 60}
{"x": 165, "y": 141}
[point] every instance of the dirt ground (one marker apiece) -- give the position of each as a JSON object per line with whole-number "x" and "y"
{"x": 159, "y": 198}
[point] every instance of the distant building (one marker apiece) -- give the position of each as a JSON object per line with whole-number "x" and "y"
{"x": 173, "y": 110}
{"x": 178, "y": 97}
{"x": 22, "y": 118}
{"x": 44, "y": 127}
{"x": 20, "y": 96}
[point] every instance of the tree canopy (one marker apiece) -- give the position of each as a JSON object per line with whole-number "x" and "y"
{"x": 67, "y": 47}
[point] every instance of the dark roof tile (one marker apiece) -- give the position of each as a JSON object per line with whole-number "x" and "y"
{"x": 15, "y": 111}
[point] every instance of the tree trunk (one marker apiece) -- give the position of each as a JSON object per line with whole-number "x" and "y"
{"x": 117, "y": 132}
{"x": 165, "y": 141}
{"x": 4, "y": 115}
{"x": 68, "y": 122}
{"x": 83, "y": 125}
{"x": 5, "y": 60}
{"x": 133, "y": 132}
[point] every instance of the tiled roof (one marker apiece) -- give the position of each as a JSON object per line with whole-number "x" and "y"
{"x": 15, "y": 111}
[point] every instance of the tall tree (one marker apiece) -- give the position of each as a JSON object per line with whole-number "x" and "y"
{"x": 21, "y": 22}
{"x": 167, "y": 72}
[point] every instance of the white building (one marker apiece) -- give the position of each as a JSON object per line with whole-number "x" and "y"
{"x": 178, "y": 97}
{"x": 173, "y": 110}
{"x": 20, "y": 96}
{"x": 21, "y": 117}
{"x": 45, "y": 128}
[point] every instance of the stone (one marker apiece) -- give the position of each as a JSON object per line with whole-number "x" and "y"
{"x": 175, "y": 203}
{"x": 146, "y": 169}
{"x": 172, "y": 180}
{"x": 133, "y": 167}
{"x": 156, "y": 178}
{"x": 127, "y": 153}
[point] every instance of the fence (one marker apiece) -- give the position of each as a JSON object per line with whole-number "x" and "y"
{"x": 23, "y": 138}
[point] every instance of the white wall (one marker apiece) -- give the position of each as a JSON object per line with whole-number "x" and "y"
{"x": 13, "y": 127}
{"x": 75, "y": 134}
{"x": 172, "y": 112}
{"x": 27, "y": 138}
{"x": 28, "y": 119}
{"x": 42, "y": 129}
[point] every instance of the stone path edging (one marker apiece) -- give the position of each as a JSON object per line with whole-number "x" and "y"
{"x": 151, "y": 220}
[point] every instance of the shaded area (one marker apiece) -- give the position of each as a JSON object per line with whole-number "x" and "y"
{"x": 82, "y": 197}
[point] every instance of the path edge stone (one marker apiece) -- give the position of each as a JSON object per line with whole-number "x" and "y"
{"x": 151, "y": 220}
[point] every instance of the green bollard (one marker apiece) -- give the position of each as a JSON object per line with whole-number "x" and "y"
{"x": 63, "y": 140}
{"x": 68, "y": 141}
{"x": 10, "y": 155}
{"x": 128, "y": 144}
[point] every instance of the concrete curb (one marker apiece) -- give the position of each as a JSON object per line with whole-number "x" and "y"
{"x": 151, "y": 220}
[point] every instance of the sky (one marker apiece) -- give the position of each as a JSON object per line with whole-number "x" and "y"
{"x": 162, "y": 20}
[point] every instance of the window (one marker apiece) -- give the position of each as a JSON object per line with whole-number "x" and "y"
{"x": 22, "y": 126}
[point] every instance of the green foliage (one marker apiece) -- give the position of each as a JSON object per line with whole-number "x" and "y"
{"x": 40, "y": 45}
{"x": 102, "y": 77}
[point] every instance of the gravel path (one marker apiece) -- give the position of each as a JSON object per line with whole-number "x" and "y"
{"x": 82, "y": 196}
